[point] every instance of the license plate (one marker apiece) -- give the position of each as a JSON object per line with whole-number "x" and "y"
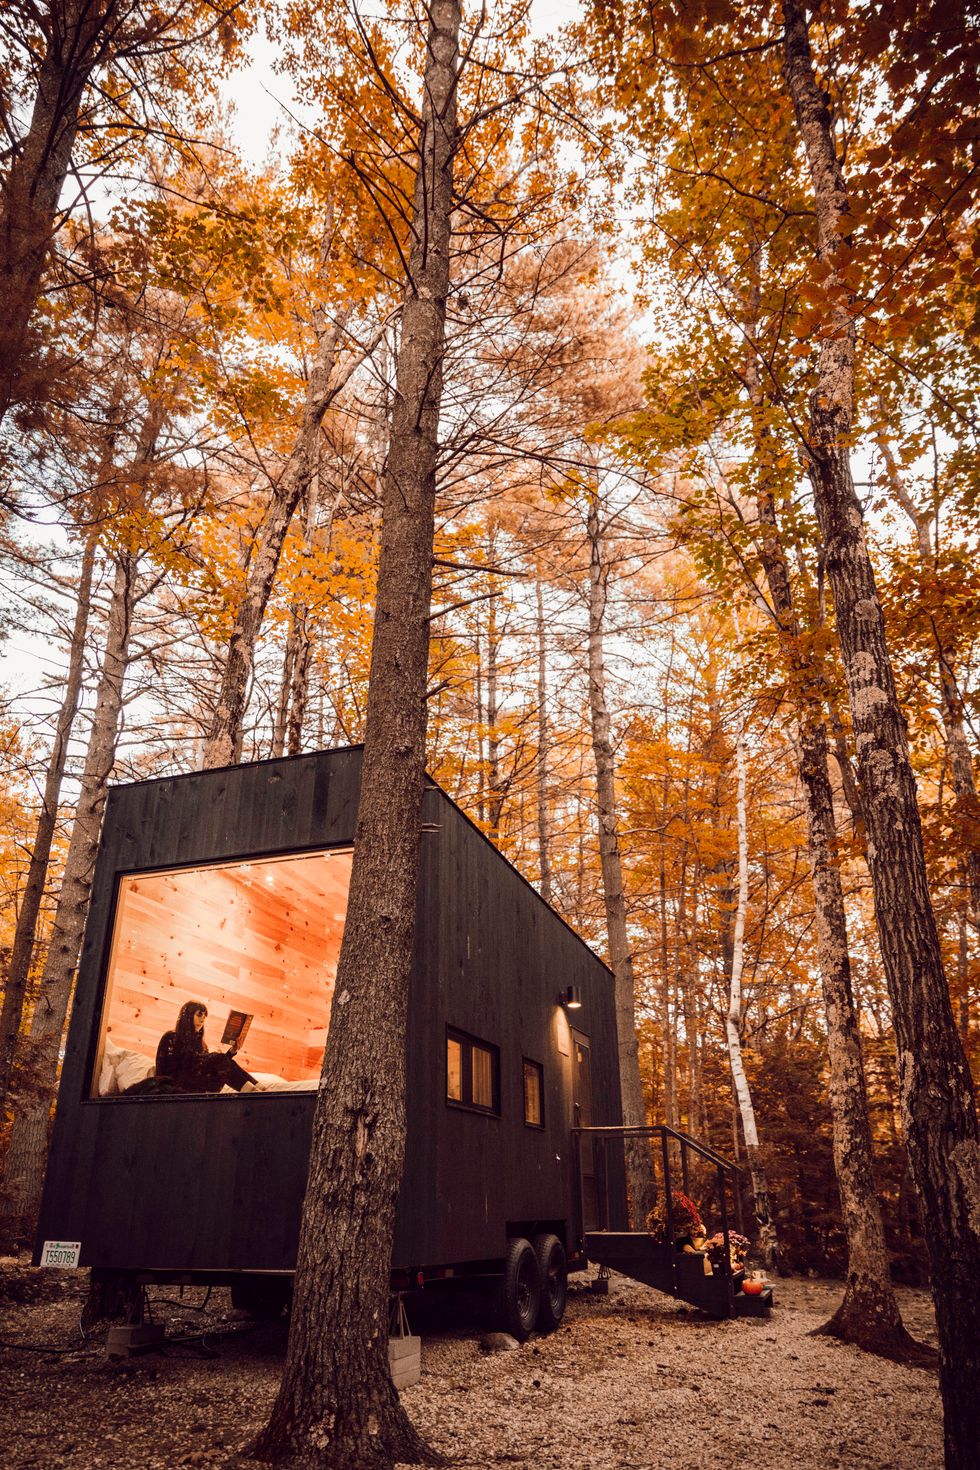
{"x": 60, "y": 1252}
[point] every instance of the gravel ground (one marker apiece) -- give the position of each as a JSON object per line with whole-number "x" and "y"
{"x": 630, "y": 1380}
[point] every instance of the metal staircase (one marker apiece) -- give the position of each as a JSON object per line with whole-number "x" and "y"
{"x": 665, "y": 1162}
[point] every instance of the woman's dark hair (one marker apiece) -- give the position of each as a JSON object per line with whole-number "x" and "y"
{"x": 187, "y": 1040}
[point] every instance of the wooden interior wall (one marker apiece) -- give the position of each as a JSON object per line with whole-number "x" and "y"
{"x": 261, "y": 936}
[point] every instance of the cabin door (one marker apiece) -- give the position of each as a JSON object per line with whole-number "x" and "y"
{"x": 582, "y": 1118}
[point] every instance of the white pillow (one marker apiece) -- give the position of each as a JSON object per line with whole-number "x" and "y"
{"x": 107, "y": 1076}
{"x": 121, "y": 1068}
{"x": 132, "y": 1067}
{"x": 270, "y": 1082}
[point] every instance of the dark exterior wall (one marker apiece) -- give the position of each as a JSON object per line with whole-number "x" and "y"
{"x": 215, "y": 1184}
{"x": 494, "y": 960}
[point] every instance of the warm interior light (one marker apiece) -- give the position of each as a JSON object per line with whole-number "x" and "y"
{"x": 262, "y": 937}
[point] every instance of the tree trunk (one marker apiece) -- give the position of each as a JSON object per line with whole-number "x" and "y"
{"x": 22, "y": 951}
{"x": 223, "y": 745}
{"x": 643, "y": 1194}
{"x": 291, "y": 715}
{"x": 481, "y": 755}
{"x": 36, "y": 1072}
{"x": 668, "y": 1048}
{"x": 692, "y": 1025}
{"x": 963, "y": 973}
{"x": 299, "y": 683}
{"x": 495, "y": 785}
{"x": 337, "y": 1408}
{"x": 77, "y": 37}
{"x": 951, "y": 701}
{"x": 281, "y": 715}
{"x": 868, "y": 1315}
{"x": 768, "y": 1243}
{"x": 541, "y": 770}
{"x": 685, "y": 989}
{"x": 849, "y": 786}
{"x": 938, "y": 1109}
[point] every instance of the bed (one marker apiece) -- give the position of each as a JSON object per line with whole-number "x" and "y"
{"x": 123, "y": 1070}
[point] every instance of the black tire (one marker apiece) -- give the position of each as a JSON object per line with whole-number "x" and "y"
{"x": 263, "y": 1297}
{"x": 519, "y": 1291}
{"x": 553, "y": 1269}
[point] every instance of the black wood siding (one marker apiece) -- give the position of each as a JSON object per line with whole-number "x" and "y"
{"x": 216, "y": 1183}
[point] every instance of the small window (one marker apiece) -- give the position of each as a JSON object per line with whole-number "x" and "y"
{"x": 454, "y": 1070}
{"x": 482, "y": 1077}
{"x": 472, "y": 1073}
{"x": 533, "y": 1094}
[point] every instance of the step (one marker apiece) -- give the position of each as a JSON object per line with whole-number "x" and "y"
{"x": 753, "y": 1306}
{"x": 658, "y": 1265}
{"x": 633, "y": 1255}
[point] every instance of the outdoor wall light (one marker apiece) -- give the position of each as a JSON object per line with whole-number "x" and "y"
{"x": 571, "y": 998}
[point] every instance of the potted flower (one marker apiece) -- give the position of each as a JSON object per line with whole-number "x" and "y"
{"x": 688, "y": 1227}
{"x": 738, "y": 1249}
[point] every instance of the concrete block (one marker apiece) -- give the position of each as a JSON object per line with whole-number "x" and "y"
{"x": 405, "y": 1358}
{"x": 123, "y": 1342}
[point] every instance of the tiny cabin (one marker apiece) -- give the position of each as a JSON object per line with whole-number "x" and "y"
{"x": 228, "y": 889}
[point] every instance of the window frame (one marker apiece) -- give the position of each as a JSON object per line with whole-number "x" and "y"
{"x": 539, "y": 1073}
{"x": 466, "y": 1044}
{"x": 101, "y": 1014}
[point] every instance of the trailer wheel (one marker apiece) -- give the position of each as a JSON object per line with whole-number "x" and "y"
{"x": 263, "y": 1297}
{"x": 519, "y": 1291}
{"x": 553, "y": 1269}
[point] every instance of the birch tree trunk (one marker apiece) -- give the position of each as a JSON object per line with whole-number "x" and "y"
{"x": 37, "y": 1063}
{"x": 223, "y": 745}
{"x": 768, "y": 1242}
{"x": 937, "y": 1102}
{"x": 337, "y": 1407}
{"x": 643, "y": 1193}
{"x": 22, "y": 949}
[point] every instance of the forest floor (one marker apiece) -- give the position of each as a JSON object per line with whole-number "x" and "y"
{"x": 630, "y": 1380}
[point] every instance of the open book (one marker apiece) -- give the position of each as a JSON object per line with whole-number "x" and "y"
{"x": 236, "y": 1028}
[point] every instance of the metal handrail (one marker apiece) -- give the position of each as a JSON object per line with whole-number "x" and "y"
{"x": 665, "y": 1133}
{"x": 649, "y": 1131}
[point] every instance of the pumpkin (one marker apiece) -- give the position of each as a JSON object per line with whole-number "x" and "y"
{"x": 752, "y": 1288}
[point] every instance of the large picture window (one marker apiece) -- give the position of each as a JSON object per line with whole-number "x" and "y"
{"x": 259, "y": 939}
{"x": 472, "y": 1073}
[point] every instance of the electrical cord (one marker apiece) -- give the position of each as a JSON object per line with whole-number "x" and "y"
{"x": 170, "y": 1301}
{"x": 203, "y": 1339}
{"x": 40, "y": 1347}
{"x": 87, "y": 1347}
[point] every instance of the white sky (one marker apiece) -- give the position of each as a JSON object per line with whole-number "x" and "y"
{"x": 263, "y": 99}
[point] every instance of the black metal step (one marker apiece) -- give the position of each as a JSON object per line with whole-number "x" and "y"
{"x": 660, "y": 1266}
{"x": 753, "y": 1306}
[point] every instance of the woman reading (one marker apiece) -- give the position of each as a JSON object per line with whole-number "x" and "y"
{"x": 184, "y": 1060}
